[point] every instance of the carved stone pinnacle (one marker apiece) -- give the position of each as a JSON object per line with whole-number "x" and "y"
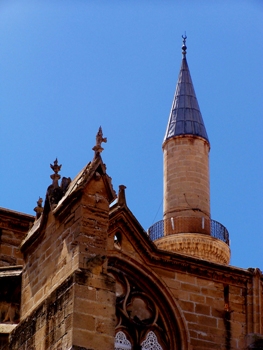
{"x": 99, "y": 139}
{"x": 56, "y": 168}
{"x": 39, "y": 209}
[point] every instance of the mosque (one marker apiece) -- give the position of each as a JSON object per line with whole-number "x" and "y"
{"x": 83, "y": 274}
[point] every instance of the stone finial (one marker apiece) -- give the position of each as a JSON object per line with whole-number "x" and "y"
{"x": 56, "y": 168}
{"x": 121, "y": 196}
{"x": 39, "y": 209}
{"x": 55, "y": 191}
{"x": 99, "y": 139}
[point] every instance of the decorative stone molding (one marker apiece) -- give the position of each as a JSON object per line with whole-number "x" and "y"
{"x": 144, "y": 304}
{"x": 121, "y": 342}
{"x": 7, "y": 328}
{"x": 197, "y": 245}
{"x": 151, "y": 342}
{"x": 121, "y": 219}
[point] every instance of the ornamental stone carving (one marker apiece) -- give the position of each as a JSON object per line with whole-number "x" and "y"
{"x": 151, "y": 342}
{"x": 121, "y": 342}
{"x": 198, "y": 246}
{"x": 140, "y": 323}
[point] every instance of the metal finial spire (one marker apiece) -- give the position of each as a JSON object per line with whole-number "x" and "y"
{"x": 184, "y": 47}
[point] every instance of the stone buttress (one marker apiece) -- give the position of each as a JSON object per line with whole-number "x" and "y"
{"x": 68, "y": 299}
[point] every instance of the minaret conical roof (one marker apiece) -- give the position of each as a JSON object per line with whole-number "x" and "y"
{"x": 185, "y": 116}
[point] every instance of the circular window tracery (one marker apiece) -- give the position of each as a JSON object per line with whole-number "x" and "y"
{"x": 138, "y": 316}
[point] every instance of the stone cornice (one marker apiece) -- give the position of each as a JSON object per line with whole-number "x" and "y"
{"x": 200, "y": 246}
{"x": 11, "y": 271}
{"x": 14, "y": 220}
{"x": 121, "y": 220}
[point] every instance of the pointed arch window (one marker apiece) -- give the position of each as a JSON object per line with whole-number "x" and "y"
{"x": 151, "y": 342}
{"x": 121, "y": 342}
{"x": 140, "y": 322}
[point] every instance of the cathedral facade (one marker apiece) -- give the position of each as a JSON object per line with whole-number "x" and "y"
{"x": 83, "y": 274}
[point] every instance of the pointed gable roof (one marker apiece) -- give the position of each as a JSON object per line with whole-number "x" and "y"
{"x": 94, "y": 168}
{"x": 185, "y": 116}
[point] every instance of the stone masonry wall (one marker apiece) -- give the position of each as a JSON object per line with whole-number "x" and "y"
{"x": 50, "y": 324}
{"x": 94, "y": 312}
{"x": 68, "y": 318}
{"x": 13, "y": 229}
{"x": 69, "y": 242}
{"x": 49, "y": 262}
{"x": 215, "y": 312}
{"x": 74, "y": 243}
{"x": 186, "y": 177}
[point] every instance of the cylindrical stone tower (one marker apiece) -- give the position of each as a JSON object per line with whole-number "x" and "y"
{"x": 186, "y": 213}
{"x": 186, "y": 161}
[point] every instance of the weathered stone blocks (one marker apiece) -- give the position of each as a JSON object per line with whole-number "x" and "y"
{"x": 186, "y": 177}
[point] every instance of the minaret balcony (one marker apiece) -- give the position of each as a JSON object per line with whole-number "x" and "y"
{"x": 183, "y": 224}
{"x": 194, "y": 236}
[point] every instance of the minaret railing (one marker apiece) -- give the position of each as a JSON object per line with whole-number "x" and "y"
{"x": 181, "y": 225}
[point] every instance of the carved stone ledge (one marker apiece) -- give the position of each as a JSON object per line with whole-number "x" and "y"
{"x": 197, "y": 245}
{"x": 7, "y": 328}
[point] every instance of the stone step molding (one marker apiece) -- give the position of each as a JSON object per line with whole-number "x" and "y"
{"x": 200, "y": 246}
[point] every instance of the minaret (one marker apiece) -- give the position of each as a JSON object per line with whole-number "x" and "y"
{"x": 187, "y": 225}
{"x": 186, "y": 156}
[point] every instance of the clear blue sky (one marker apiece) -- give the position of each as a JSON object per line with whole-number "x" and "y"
{"x": 68, "y": 67}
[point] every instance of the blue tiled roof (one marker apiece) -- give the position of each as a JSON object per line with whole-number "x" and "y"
{"x": 185, "y": 116}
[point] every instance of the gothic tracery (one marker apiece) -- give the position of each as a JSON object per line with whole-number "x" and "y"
{"x": 121, "y": 342}
{"x": 151, "y": 342}
{"x": 137, "y": 316}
